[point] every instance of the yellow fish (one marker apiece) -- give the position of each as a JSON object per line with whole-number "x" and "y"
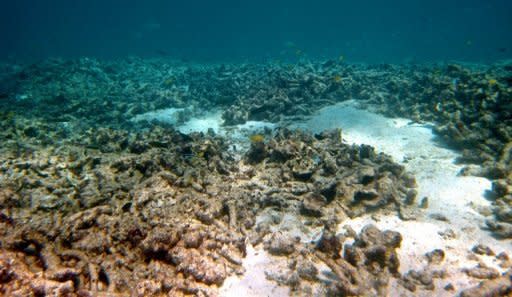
{"x": 256, "y": 138}
{"x": 169, "y": 82}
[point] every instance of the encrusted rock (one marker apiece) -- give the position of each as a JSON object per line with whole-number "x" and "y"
{"x": 483, "y": 250}
{"x": 435, "y": 257}
{"x": 501, "y": 286}
{"x": 280, "y": 244}
{"x": 482, "y": 272}
{"x": 366, "y": 265}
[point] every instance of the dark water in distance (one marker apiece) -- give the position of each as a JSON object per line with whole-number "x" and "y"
{"x": 362, "y": 31}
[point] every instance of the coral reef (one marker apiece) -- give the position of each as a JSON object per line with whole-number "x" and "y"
{"x": 163, "y": 213}
{"x": 93, "y": 203}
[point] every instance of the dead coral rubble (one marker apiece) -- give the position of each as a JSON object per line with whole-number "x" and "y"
{"x": 107, "y": 222}
{"x": 93, "y": 209}
{"x": 472, "y": 109}
{"x": 471, "y": 105}
{"x": 313, "y": 172}
{"x": 162, "y": 213}
{"x": 501, "y": 286}
{"x": 364, "y": 268}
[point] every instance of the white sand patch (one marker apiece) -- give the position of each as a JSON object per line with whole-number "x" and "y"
{"x": 167, "y": 115}
{"x": 452, "y": 196}
{"x": 209, "y": 121}
{"x": 415, "y": 147}
{"x": 240, "y": 133}
{"x": 449, "y": 195}
{"x": 237, "y": 135}
{"x": 254, "y": 281}
{"x": 412, "y": 145}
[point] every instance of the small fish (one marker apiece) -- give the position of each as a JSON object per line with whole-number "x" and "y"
{"x": 256, "y": 138}
{"x": 455, "y": 83}
{"x": 317, "y": 159}
{"x": 502, "y": 49}
{"x": 469, "y": 42}
{"x": 438, "y": 107}
{"x": 162, "y": 53}
{"x": 169, "y": 82}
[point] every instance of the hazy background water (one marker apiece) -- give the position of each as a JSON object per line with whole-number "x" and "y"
{"x": 205, "y": 30}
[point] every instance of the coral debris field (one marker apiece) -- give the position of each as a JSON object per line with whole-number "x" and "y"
{"x": 93, "y": 203}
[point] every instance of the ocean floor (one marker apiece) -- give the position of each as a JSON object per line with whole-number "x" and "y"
{"x": 163, "y": 178}
{"x": 453, "y": 200}
{"x": 209, "y": 121}
{"x": 451, "y": 221}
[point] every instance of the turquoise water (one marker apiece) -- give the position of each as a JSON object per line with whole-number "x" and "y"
{"x": 363, "y": 31}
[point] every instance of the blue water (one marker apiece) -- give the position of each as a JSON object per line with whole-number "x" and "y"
{"x": 361, "y": 31}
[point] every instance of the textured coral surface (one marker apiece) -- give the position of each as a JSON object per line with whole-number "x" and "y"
{"x": 95, "y": 204}
{"x": 174, "y": 216}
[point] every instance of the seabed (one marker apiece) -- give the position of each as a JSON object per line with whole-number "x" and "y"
{"x": 160, "y": 178}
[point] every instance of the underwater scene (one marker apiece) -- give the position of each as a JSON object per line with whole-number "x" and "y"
{"x": 256, "y": 148}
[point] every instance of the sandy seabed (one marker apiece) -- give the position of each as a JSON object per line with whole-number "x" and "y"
{"x": 451, "y": 221}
